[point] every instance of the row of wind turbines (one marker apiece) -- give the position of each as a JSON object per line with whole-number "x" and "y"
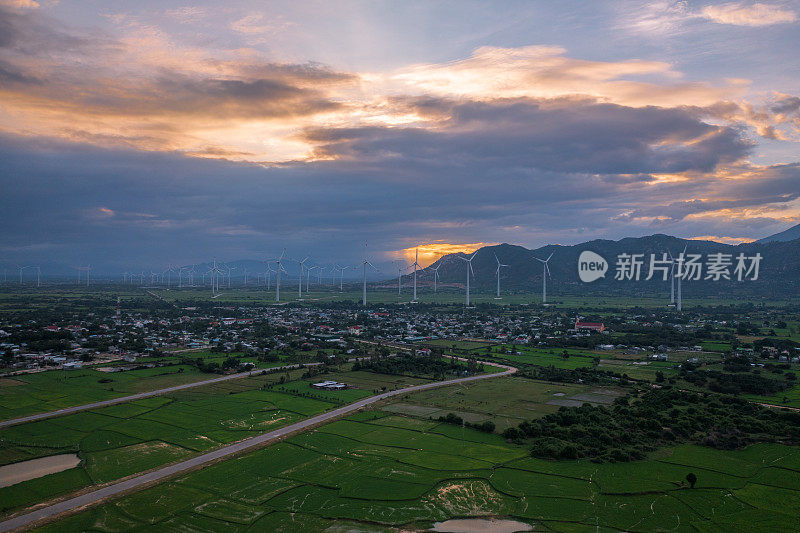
{"x": 219, "y": 274}
{"x": 471, "y": 274}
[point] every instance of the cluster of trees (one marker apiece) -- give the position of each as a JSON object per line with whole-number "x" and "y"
{"x": 487, "y": 426}
{"x": 760, "y": 345}
{"x": 212, "y": 367}
{"x": 42, "y": 341}
{"x": 418, "y": 366}
{"x": 577, "y": 375}
{"x": 637, "y": 424}
{"x": 741, "y": 380}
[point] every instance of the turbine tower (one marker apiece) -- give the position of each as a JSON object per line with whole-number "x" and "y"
{"x": 300, "y": 285}
{"x": 497, "y": 273}
{"x": 308, "y": 277}
{"x": 470, "y": 272}
{"x": 341, "y": 270}
{"x": 671, "y": 277}
{"x": 268, "y": 276}
{"x": 215, "y": 271}
{"x": 545, "y": 273}
{"x": 278, "y": 269}
{"x": 436, "y": 276}
{"x": 400, "y": 269}
{"x": 364, "y": 264}
{"x": 415, "y": 264}
{"x": 681, "y": 259}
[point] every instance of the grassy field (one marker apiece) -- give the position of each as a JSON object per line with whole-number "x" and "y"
{"x": 542, "y": 356}
{"x": 379, "y": 472}
{"x": 446, "y": 295}
{"x": 38, "y": 392}
{"x": 506, "y": 401}
{"x": 102, "y": 296}
{"x": 124, "y": 439}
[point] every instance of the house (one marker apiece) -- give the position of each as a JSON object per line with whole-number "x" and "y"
{"x": 329, "y": 385}
{"x": 594, "y": 326}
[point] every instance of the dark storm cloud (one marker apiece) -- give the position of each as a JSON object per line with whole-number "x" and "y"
{"x": 573, "y": 136}
{"x": 128, "y": 209}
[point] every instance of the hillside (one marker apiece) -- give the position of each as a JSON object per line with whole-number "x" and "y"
{"x": 779, "y": 270}
{"x": 784, "y": 236}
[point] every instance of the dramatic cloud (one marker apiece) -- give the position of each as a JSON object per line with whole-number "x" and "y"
{"x": 128, "y": 146}
{"x": 564, "y": 135}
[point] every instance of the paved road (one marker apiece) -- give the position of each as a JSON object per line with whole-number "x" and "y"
{"x": 138, "y": 396}
{"x": 77, "y": 502}
{"x": 159, "y": 392}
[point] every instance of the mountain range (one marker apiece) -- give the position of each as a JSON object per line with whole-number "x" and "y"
{"x": 779, "y": 268}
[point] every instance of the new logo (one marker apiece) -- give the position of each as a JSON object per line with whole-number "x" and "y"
{"x": 591, "y": 266}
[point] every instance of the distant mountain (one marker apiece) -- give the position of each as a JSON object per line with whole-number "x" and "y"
{"x": 779, "y": 273}
{"x": 784, "y": 236}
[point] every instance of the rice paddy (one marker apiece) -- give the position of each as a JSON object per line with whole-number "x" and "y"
{"x": 377, "y": 471}
{"x": 120, "y": 440}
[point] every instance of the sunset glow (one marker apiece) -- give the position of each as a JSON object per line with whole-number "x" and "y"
{"x": 430, "y": 252}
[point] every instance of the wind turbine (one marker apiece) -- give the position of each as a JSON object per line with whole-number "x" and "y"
{"x": 671, "y": 277}
{"x": 400, "y": 269}
{"x": 497, "y": 273}
{"x": 308, "y": 277}
{"x": 230, "y": 269}
{"x": 81, "y": 269}
{"x": 170, "y": 269}
{"x": 545, "y": 273}
{"x": 364, "y": 264}
{"x": 300, "y": 284}
{"x": 278, "y": 269}
{"x": 415, "y": 264}
{"x": 268, "y": 276}
{"x": 681, "y": 259}
{"x": 341, "y": 270}
{"x": 215, "y": 272}
{"x": 436, "y": 276}
{"x": 38, "y": 274}
{"x": 470, "y": 272}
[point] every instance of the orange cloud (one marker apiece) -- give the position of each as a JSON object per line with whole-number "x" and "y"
{"x": 546, "y": 72}
{"x": 723, "y": 240}
{"x": 429, "y": 253}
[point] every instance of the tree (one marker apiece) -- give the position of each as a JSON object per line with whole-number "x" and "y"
{"x": 691, "y": 478}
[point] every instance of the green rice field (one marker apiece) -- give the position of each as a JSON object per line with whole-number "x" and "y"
{"x": 124, "y": 439}
{"x": 37, "y": 392}
{"x": 380, "y": 472}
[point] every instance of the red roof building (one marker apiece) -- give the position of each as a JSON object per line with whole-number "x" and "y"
{"x": 595, "y": 326}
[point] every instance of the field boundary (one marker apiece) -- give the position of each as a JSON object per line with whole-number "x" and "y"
{"x": 145, "y": 480}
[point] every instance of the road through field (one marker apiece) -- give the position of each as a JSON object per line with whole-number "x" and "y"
{"x": 115, "y": 489}
{"x": 138, "y": 396}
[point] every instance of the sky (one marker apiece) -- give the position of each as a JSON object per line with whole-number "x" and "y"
{"x": 137, "y": 135}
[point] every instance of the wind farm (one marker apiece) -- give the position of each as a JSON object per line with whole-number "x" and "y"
{"x": 388, "y": 267}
